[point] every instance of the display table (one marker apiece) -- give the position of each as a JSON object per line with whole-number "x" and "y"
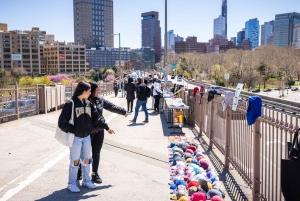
{"x": 173, "y": 112}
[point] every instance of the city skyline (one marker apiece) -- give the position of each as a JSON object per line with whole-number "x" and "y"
{"x": 192, "y": 19}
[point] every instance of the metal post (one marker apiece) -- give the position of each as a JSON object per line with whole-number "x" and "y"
{"x": 227, "y": 139}
{"x": 37, "y": 99}
{"x": 17, "y": 100}
{"x": 211, "y": 129}
{"x": 256, "y": 161}
{"x": 120, "y": 68}
{"x": 165, "y": 48}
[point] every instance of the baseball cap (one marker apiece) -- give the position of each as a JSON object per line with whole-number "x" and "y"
{"x": 199, "y": 196}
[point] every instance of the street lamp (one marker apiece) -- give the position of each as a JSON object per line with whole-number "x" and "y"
{"x": 165, "y": 48}
{"x": 119, "y": 34}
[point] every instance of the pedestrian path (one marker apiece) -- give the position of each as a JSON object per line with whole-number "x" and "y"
{"x": 133, "y": 165}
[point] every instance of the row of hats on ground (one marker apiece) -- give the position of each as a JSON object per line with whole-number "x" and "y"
{"x": 191, "y": 177}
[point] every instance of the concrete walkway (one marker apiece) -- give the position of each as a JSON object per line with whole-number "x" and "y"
{"x": 134, "y": 162}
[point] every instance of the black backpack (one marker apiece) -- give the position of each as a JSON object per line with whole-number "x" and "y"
{"x": 148, "y": 92}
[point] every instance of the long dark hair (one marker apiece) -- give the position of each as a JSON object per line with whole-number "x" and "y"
{"x": 94, "y": 86}
{"x": 81, "y": 87}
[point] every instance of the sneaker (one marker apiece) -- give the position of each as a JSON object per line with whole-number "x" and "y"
{"x": 96, "y": 178}
{"x": 132, "y": 121}
{"x": 89, "y": 184}
{"x": 73, "y": 188}
{"x": 146, "y": 121}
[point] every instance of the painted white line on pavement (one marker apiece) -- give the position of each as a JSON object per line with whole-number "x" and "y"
{"x": 33, "y": 176}
{"x": 14, "y": 127}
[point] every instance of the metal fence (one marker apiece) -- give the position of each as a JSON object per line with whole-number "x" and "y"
{"x": 38, "y": 99}
{"x": 254, "y": 151}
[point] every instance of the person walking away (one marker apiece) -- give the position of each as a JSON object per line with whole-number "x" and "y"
{"x": 123, "y": 88}
{"x": 116, "y": 88}
{"x": 157, "y": 94}
{"x": 141, "y": 94}
{"x": 130, "y": 89}
{"x": 85, "y": 117}
{"x": 152, "y": 97}
{"x": 97, "y": 136}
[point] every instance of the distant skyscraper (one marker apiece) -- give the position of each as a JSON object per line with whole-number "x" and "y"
{"x": 252, "y": 32}
{"x": 93, "y": 23}
{"x": 283, "y": 28}
{"x": 171, "y": 40}
{"x": 220, "y": 27}
{"x": 296, "y": 43}
{"x": 267, "y": 32}
{"x": 224, "y": 14}
{"x": 151, "y": 33}
{"x": 178, "y": 38}
{"x": 240, "y": 37}
{"x": 233, "y": 39}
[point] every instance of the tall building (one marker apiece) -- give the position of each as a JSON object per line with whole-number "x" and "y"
{"x": 224, "y": 14}
{"x": 233, "y": 39}
{"x": 151, "y": 33}
{"x": 190, "y": 45}
{"x": 171, "y": 40}
{"x": 284, "y": 28}
{"x": 240, "y": 37}
{"x": 104, "y": 57}
{"x": 64, "y": 57}
{"x": 296, "y": 43}
{"x": 178, "y": 38}
{"x": 93, "y": 23}
{"x": 20, "y": 49}
{"x": 220, "y": 27}
{"x": 143, "y": 58}
{"x": 252, "y": 32}
{"x": 267, "y": 32}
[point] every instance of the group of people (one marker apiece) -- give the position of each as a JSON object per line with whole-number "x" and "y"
{"x": 88, "y": 128}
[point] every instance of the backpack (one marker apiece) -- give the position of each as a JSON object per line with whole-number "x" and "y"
{"x": 148, "y": 92}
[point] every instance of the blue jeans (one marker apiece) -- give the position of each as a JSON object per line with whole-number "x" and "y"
{"x": 140, "y": 103}
{"x": 123, "y": 93}
{"x": 80, "y": 150}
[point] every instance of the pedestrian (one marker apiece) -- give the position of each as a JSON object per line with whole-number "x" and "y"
{"x": 97, "y": 135}
{"x": 141, "y": 94}
{"x": 116, "y": 88}
{"x": 130, "y": 89}
{"x": 152, "y": 97}
{"x": 161, "y": 99}
{"x": 85, "y": 117}
{"x": 123, "y": 88}
{"x": 157, "y": 93}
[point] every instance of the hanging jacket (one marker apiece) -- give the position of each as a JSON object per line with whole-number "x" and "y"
{"x": 85, "y": 118}
{"x": 101, "y": 104}
{"x": 254, "y": 109}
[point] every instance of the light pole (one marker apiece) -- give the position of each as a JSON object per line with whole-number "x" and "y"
{"x": 120, "y": 75}
{"x": 165, "y": 48}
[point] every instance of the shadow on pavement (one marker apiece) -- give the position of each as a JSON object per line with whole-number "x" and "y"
{"x": 233, "y": 189}
{"x": 65, "y": 194}
{"x": 136, "y": 124}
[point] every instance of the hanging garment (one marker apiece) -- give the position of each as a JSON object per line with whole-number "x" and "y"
{"x": 227, "y": 99}
{"x": 254, "y": 109}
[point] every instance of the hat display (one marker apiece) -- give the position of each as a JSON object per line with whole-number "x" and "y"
{"x": 199, "y": 196}
{"x": 216, "y": 198}
{"x": 192, "y": 190}
{"x": 204, "y": 163}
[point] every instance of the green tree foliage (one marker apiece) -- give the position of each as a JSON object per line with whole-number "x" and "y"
{"x": 26, "y": 81}
{"x": 81, "y": 78}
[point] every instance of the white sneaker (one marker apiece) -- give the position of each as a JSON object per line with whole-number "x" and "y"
{"x": 73, "y": 188}
{"x": 88, "y": 184}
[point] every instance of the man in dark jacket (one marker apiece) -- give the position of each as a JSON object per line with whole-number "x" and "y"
{"x": 141, "y": 94}
{"x": 130, "y": 89}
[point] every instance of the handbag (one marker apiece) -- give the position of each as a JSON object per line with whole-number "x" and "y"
{"x": 63, "y": 137}
{"x": 290, "y": 171}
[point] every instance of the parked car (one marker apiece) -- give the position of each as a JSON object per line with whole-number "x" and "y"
{"x": 266, "y": 90}
{"x": 215, "y": 88}
{"x": 31, "y": 97}
{"x": 288, "y": 87}
{"x": 179, "y": 79}
{"x": 256, "y": 90}
{"x": 24, "y": 105}
{"x": 294, "y": 89}
{"x": 173, "y": 77}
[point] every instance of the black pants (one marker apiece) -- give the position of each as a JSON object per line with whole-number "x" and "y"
{"x": 129, "y": 104}
{"x": 96, "y": 142}
{"x": 116, "y": 92}
{"x": 156, "y": 103}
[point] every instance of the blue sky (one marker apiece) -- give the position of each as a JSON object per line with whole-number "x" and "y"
{"x": 185, "y": 17}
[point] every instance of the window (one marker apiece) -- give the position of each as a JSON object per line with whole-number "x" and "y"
{"x": 7, "y": 56}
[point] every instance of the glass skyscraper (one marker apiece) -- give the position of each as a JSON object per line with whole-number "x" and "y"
{"x": 283, "y": 28}
{"x": 93, "y": 23}
{"x": 171, "y": 40}
{"x": 240, "y": 37}
{"x": 267, "y": 30}
{"x": 220, "y": 27}
{"x": 224, "y": 14}
{"x": 252, "y": 32}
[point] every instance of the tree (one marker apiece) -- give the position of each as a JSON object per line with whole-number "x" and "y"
{"x": 80, "y": 78}
{"x": 26, "y": 81}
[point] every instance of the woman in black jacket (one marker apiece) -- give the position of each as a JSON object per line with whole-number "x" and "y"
{"x": 85, "y": 119}
{"x": 130, "y": 89}
{"x": 97, "y": 135}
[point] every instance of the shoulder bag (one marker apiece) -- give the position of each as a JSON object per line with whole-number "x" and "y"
{"x": 63, "y": 137}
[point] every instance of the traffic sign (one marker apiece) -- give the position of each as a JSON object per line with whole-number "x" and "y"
{"x": 226, "y": 76}
{"x": 174, "y": 66}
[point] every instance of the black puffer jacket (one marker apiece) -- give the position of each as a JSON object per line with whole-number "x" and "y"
{"x": 130, "y": 89}
{"x": 101, "y": 104}
{"x": 85, "y": 118}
